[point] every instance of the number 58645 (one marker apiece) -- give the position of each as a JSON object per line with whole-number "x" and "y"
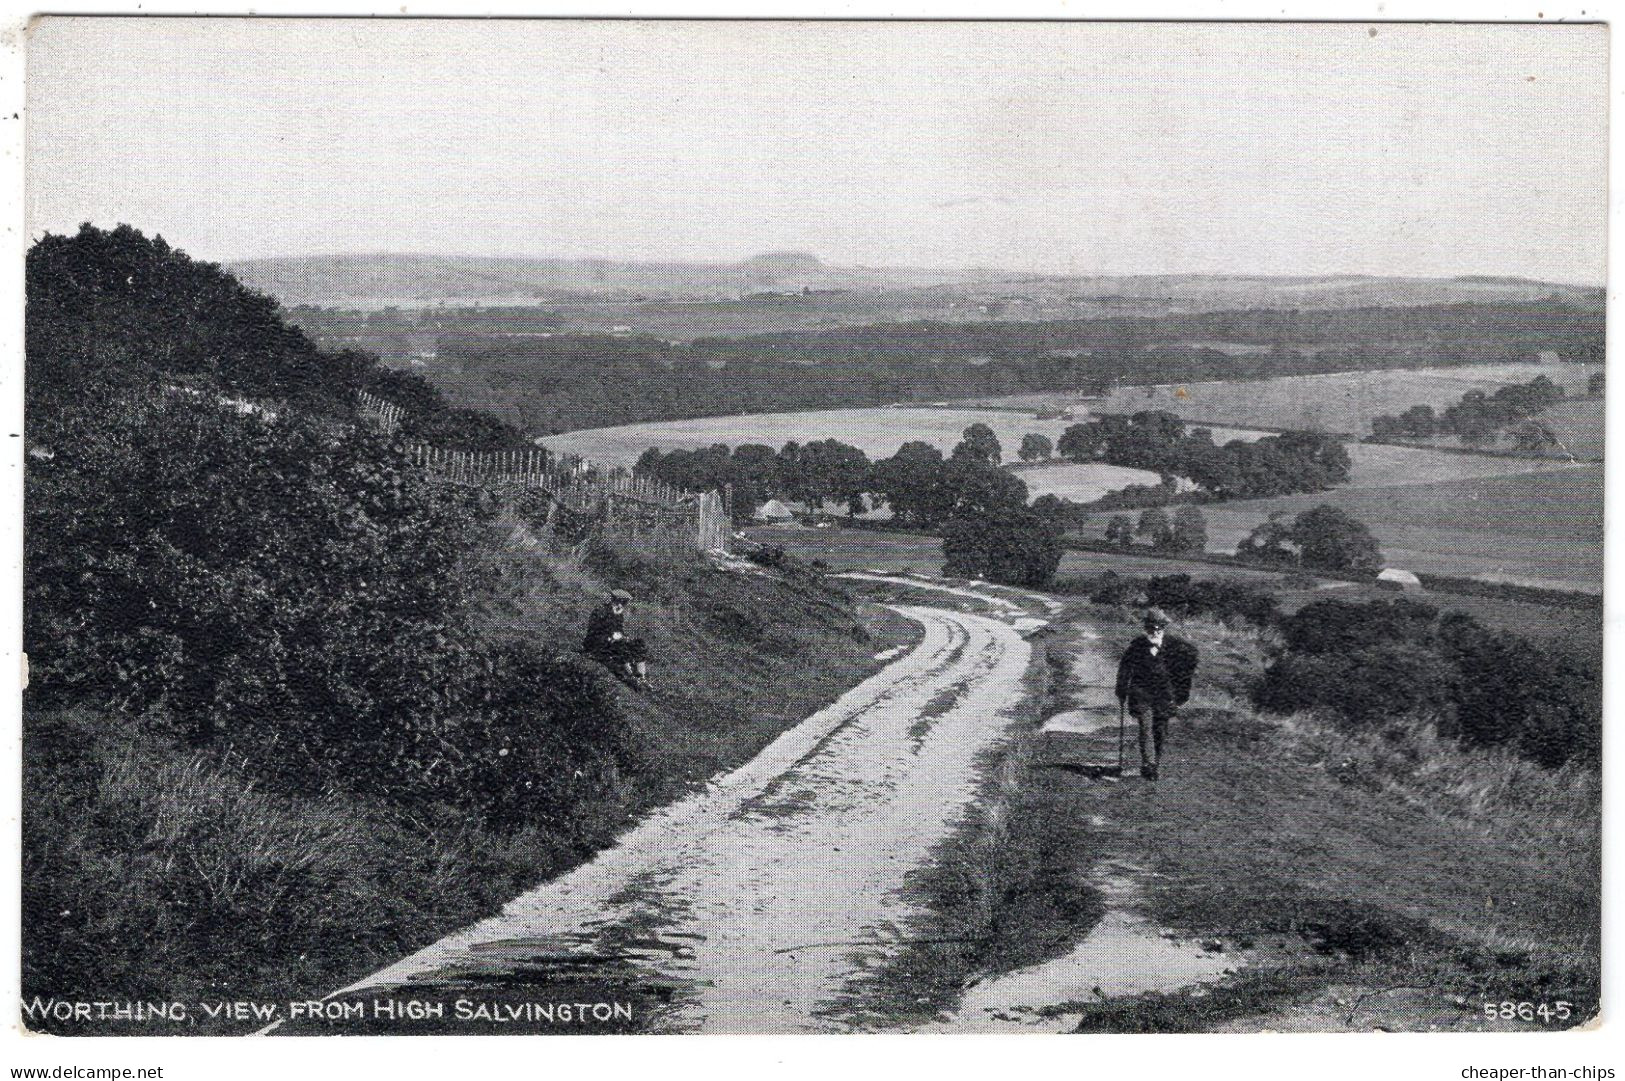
{"x": 1545, "y": 1012}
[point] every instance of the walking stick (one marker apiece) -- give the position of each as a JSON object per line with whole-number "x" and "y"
{"x": 1122, "y": 720}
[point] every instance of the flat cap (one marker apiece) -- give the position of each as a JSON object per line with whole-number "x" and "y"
{"x": 620, "y": 595}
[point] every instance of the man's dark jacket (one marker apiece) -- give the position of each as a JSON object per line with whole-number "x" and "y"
{"x": 1162, "y": 681}
{"x": 601, "y": 629}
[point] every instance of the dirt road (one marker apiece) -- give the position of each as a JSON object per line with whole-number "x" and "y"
{"x": 760, "y": 903}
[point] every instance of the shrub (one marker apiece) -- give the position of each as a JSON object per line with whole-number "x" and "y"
{"x": 766, "y": 555}
{"x": 1014, "y": 547}
{"x": 536, "y": 736}
{"x": 1483, "y": 687}
{"x": 1511, "y": 691}
{"x": 1107, "y": 587}
{"x": 1366, "y": 686}
{"x": 1226, "y": 600}
{"x": 1340, "y": 626}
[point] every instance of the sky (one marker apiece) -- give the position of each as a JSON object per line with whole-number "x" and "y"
{"x": 1103, "y": 148}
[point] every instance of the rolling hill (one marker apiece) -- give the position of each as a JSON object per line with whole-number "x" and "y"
{"x": 799, "y": 289}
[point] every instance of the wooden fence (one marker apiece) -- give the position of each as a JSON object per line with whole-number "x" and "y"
{"x": 385, "y": 414}
{"x": 649, "y": 514}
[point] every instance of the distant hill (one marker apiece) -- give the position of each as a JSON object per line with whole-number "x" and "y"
{"x": 378, "y": 280}
{"x": 795, "y": 290}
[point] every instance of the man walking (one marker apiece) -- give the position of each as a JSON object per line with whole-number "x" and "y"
{"x": 1154, "y": 680}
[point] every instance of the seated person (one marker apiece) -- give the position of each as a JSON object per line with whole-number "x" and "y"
{"x": 607, "y": 643}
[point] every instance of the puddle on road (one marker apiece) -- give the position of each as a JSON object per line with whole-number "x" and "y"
{"x": 1081, "y": 722}
{"x": 1124, "y": 955}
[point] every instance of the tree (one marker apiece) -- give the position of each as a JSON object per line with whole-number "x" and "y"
{"x": 1190, "y": 530}
{"x": 1330, "y": 539}
{"x": 755, "y": 477}
{"x": 981, "y": 489}
{"x": 836, "y": 471}
{"x": 1419, "y": 421}
{"x": 1267, "y": 543}
{"x": 979, "y": 445}
{"x": 915, "y": 483}
{"x": 1120, "y": 531}
{"x": 1015, "y": 547}
{"x": 1035, "y": 447}
{"x": 1155, "y": 528}
{"x": 1534, "y": 437}
{"x": 1094, "y": 440}
{"x": 1055, "y": 509}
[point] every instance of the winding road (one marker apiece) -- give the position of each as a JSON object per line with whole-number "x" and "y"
{"x": 761, "y": 902}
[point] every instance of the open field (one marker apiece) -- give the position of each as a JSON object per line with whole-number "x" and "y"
{"x": 1342, "y": 402}
{"x": 860, "y": 549}
{"x": 877, "y": 432}
{"x": 1382, "y": 465}
{"x": 1081, "y": 483}
{"x": 1542, "y": 529}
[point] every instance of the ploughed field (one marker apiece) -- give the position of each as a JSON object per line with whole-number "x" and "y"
{"x": 1341, "y": 402}
{"x": 1534, "y": 528}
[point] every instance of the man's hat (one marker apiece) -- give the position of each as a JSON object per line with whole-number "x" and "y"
{"x": 1156, "y": 617}
{"x": 620, "y": 595}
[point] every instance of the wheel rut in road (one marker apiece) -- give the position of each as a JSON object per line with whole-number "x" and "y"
{"x": 762, "y": 902}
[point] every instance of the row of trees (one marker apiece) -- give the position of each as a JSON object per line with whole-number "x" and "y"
{"x": 987, "y": 529}
{"x": 921, "y": 486}
{"x": 1157, "y": 440}
{"x": 1476, "y": 417}
{"x": 1321, "y": 538}
{"x": 1186, "y": 531}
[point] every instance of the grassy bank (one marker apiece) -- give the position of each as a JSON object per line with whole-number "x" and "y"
{"x": 1358, "y": 880}
{"x": 154, "y": 873}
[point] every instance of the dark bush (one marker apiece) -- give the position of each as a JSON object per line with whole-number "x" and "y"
{"x": 1485, "y": 687}
{"x": 1367, "y": 686}
{"x": 766, "y": 555}
{"x": 1013, "y": 547}
{"x": 536, "y": 736}
{"x": 1228, "y": 600}
{"x": 1340, "y": 626}
{"x": 1545, "y": 703}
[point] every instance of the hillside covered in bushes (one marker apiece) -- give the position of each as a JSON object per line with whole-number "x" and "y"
{"x": 295, "y": 708}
